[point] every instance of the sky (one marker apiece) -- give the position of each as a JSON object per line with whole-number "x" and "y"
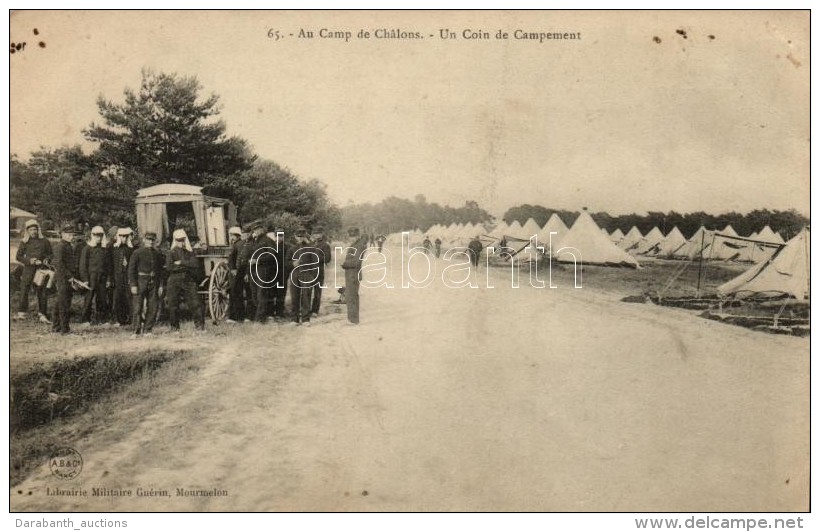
{"x": 647, "y": 111}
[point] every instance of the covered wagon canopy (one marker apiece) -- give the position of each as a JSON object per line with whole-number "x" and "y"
{"x": 19, "y": 217}
{"x": 212, "y": 215}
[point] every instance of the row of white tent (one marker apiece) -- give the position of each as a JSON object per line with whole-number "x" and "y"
{"x": 717, "y": 245}
{"x": 781, "y": 268}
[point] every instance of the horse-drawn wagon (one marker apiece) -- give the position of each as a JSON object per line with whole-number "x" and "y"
{"x": 164, "y": 208}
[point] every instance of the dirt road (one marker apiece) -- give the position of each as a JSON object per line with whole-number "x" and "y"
{"x": 470, "y": 399}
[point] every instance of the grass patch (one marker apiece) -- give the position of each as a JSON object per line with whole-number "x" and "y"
{"x": 55, "y": 404}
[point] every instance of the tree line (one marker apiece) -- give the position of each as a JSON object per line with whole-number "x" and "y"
{"x": 393, "y": 215}
{"x": 166, "y": 131}
{"x": 787, "y": 223}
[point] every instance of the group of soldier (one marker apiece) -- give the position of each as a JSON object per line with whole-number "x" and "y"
{"x": 125, "y": 286}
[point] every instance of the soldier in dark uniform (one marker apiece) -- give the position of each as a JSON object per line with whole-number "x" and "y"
{"x": 324, "y": 258}
{"x": 34, "y": 253}
{"x": 238, "y": 264}
{"x": 261, "y": 266}
{"x": 305, "y": 274}
{"x": 284, "y": 260}
{"x": 474, "y": 249}
{"x": 352, "y": 266}
{"x": 65, "y": 272}
{"x": 120, "y": 255}
{"x": 94, "y": 269}
{"x": 145, "y": 280}
{"x": 427, "y": 245}
{"x": 380, "y": 241}
{"x": 182, "y": 268}
{"x": 438, "y": 247}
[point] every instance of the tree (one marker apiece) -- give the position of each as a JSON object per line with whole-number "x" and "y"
{"x": 267, "y": 190}
{"x": 166, "y": 133}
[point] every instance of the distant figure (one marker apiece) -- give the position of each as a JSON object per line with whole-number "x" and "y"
{"x": 380, "y": 241}
{"x": 438, "y": 247}
{"x": 352, "y": 266}
{"x": 427, "y": 245}
{"x": 34, "y": 253}
{"x": 371, "y": 239}
{"x": 474, "y": 249}
{"x": 65, "y": 273}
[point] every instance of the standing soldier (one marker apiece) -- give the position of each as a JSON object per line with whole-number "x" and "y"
{"x": 380, "y": 241}
{"x": 284, "y": 259}
{"x": 324, "y": 258}
{"x": 474, "y": 249}
{"x": 261, "y": 265}
{"x": 65, "y": 273}
{"x": 427, "y": 245}
{"x": 305, "y": 274}
{"x": 120, "y": 256}
{"x": 352, "y": 267}
{"x": 144, "y": 278}
{"x": 182, "y": 268}
{"x": 34, "y": 253}
{"x": 438, "y": 247}
{"x": 94, "y": 269}
{"x": 238, "y": 264}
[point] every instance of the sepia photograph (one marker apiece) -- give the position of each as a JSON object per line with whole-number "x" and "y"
{"x": 409, "y": 261}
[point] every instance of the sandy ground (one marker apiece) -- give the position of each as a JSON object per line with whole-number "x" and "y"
{"x": 469, "y": 399}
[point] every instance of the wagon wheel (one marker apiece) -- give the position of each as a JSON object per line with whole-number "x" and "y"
{"x": 219, "y": 288}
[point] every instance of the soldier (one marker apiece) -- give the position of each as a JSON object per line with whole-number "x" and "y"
{"x": 120, "y": 256}
{"x": 182, "y": 267}
{"x": 305, "y": 275}
{"x": 284, "y": 260}
{"x": 427, "y": 245}
{"x": 474, "y": 249}
{"x": 65, "y": 274}
{"x": 238, "y": 264}
{"x": 438, "y": 247}
{"x": 324, "y": 258}
{"x": 94, "y": 269}
{"x": 380, "y": 241}
{"x": 352, "y": 266}
{"x": 261, "y": 266}
{"x": 34, "y": 253}
{"x": 145, "y": 280}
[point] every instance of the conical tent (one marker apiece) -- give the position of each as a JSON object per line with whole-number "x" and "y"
{"x": 786, "y": 272}
{"x": 767, "y": 235}
{"x": 672, "y": 243}
{"x": 649, "y": 243}
{"x": 753, "y": 236}
{"x": 515, "y": 230}
{"x": 728, "y": 248}
{"x": 696, "y": 246}
{"x": 631, "y": 239}
{"x": 616, "y": 236}
{"x": 530, "y": 228}
{"x": 554, "y": 225}
{"x": 585, "y": 236}
{"x": 499, "y": 230}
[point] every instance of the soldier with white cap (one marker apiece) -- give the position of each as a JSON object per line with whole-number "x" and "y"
{"x": 120, "y": 257}
{"x": 34, "y": 253}
{"x": 183, "y": 268}
{"x": 94, "y": 269}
